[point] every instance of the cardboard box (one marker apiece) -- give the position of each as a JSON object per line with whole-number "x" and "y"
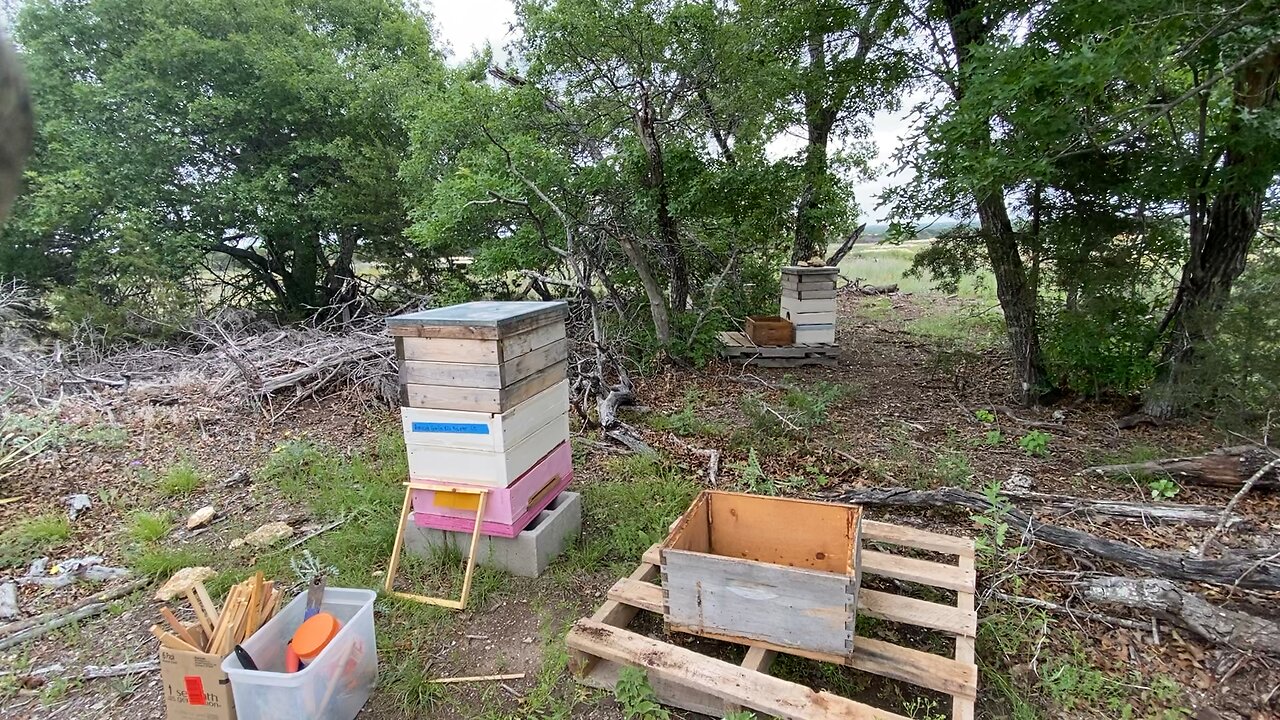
{"x": 195, "y": 687}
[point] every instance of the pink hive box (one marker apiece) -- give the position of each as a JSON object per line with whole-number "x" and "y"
{"x": 507, "y": 510}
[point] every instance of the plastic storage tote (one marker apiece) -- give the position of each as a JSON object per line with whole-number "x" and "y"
{"x": 334, "y": 686}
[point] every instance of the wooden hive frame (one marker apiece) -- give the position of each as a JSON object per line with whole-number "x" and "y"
{"x": 601, "y": 645}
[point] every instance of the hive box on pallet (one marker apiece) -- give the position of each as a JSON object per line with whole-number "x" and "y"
{"x": 506, "y": 510}
{"x": 480, "y": 357}
{"x": 498, "y": 469}
{"x": 770, "y": 331}
{"x": 816, "y": 334}
{"x": 763, "y": 570}
{"x": 796, "y": 306}
{"x": 484, "y": 431}
{"x": 527, "y": 554}
{"x": 801, "y": 319}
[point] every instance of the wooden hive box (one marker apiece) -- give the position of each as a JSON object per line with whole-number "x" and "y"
{"x": 483, "y": 357}
{"x": 770, "y": 330}
{"x": 768, "y": 571}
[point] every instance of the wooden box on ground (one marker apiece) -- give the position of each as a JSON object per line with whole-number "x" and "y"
{"x": 480, "y": 356}
{"x": 507, "y": 511}
{"x": 684, "y": 677}
{"x": 770, "y": 330}
{"x": 750, "y": 568}
{"x": 492, "y": 468}
{"x": 195, "y": 686}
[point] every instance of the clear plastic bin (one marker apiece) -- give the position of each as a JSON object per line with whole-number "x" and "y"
{"x": 333, "y": 687}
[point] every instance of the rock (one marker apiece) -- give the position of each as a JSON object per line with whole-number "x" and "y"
{"x": 236, "y": 544}
{"x": 77, "y": 504}
{"x": 182, "y": 580}
{"x": 66, "y": 572}
{"x": 269, "y": 534}
{"x": 201, "y": 517}
{"x": 8, "y": 601}
{"x": 1018, "y": 481}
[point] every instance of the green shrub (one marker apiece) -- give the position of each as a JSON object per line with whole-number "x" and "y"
{"x": 181, "y": 478}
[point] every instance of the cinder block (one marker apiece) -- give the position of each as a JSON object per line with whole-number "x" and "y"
{"x": 527, "y": 554}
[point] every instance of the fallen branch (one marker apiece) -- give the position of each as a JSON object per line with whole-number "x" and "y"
{"x": 1235, "y": 500}
{"x": 88, "y": 672}
{"x": 1213, "y": 623}
{"x": 1224, "y": 467}
{"x": 1228, "y": 570}
{"x": 480, "y": 678}
{"x": 1120, "y": 509}
{"x": 846, "y": 246}
{"x": 20, "y": 632}
{"x": 1073, "y": 612}
{"x": 313, "y": 534}
{"x": 1038, "y": 425}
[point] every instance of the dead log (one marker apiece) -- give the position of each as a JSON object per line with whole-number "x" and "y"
{"x": 1224, "y": 467}
{"x": 19, "y": 632}
{"x": 1239, "y": 630}
{"x": 1203, "y": 515}
{"x": 851, "y": 240}
{"x": 1244, "y": 570}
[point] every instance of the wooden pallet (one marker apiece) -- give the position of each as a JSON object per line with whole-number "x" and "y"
{"x": 737, "y": 346}
{"x": 600, "y": 646}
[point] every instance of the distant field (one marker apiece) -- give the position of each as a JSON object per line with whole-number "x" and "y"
{"x": 884, "y": 264}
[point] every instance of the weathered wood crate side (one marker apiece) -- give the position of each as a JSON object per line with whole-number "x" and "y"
{"x": 770, "y": 330}
{"x": 489, "y": 400}
{"x": 479, "y": 375}
{"x": 477, "y": 351}
{"x": 774, "y": 570}
{"x": 742, "y": 601}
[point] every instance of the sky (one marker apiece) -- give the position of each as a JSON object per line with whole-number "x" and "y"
{"x": 465, "y": 26}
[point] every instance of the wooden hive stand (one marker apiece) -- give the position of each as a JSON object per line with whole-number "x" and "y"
{"x": 601, "y": 645}
{"x": 737, "y": 347}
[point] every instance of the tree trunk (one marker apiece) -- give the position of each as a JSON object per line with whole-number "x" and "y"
{"x": 656, "y": 181}
{"x": 652, "y": 290}
{"x": 1017, "y": 295}
{"x": 820, "y": 118}
{"x": 1228, "y": 467}
{"x": 1219, "y": 252}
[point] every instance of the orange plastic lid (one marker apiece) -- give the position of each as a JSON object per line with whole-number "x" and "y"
{"x": 314, "y": 634}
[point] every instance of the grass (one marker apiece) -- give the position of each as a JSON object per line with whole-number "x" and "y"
{"x": 960, "y": 328}
{"x": 160, "y": 562}
{"x": 685, "y": 422}
{"x": 627, "y": 513}
{"x": 888, "y": 264}
{"x": 148, "y": 527}
{"x": 182, "y": 478}
{"x": 33, "y": 537}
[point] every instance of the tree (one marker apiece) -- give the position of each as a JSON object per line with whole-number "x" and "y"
{"x": 841, "y": 67}
{"x": 174, "y": 133}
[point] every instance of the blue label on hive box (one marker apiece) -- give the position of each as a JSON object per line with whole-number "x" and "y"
{"x": 459, "y": 428}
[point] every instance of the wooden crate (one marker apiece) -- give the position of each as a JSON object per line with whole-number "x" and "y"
{"x": 757, "y": 569}
{"x": 508, "y": 510}
{"x": 485, "y": 400}
{"x": 483, "y": 431}
{"x": 770, "y": 330}
{"x": 496, "y": 469}
{"x": 479, "y": 351}
{"x": 738, "y": 347}
{"x": 819, "y": 305}
{"x": 600, "y": 646}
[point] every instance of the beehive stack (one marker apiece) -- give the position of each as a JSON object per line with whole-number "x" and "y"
{"x": 809, "y": 302}
{"x": 485, "y": 402}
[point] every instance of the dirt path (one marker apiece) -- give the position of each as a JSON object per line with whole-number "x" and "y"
{"x": 900, "y": 409}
